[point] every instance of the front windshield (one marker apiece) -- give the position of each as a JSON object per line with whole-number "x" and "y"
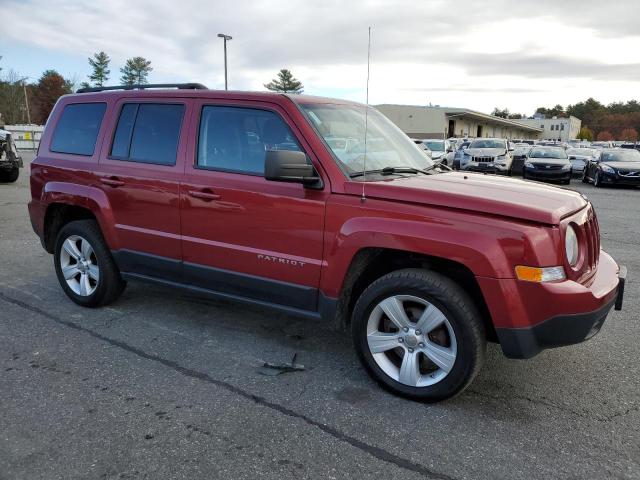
{"x": 620, "y": 156}
{"x": 521, "y": 150}
{"x": 342, "y": 127}
{"x": 434, "y": 145}
{"x": 549, "y": 152}
{"x": 585, "y": 152}
{"x": 487, "y": 144}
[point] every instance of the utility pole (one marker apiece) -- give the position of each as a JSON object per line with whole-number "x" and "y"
{"x": 26, "y": 99}
{"x": 225, "y": 37}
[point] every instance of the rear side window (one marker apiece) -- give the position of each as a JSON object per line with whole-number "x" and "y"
{"x": 77, "y": 129}
{"x": 236, "y": 139}
{"x": 148, "y": 133}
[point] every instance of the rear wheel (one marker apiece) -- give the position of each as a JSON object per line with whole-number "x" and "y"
{"x": 9, "y": 176}
{"x": 418, "y": 334}
{"x": 84, "y": 265}
{"x": 585, "y": 177}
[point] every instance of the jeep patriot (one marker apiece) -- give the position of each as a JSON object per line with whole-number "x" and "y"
{"x": 289, "y": 202}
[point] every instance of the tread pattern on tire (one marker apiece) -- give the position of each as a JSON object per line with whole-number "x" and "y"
{"x": 111, "y": 283}
{"x": 445, "y": 291}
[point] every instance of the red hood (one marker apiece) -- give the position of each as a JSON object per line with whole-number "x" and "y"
{"x": 491, "y": 194}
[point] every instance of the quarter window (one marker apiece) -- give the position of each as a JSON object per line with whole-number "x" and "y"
{"x": 148, "y": 133}
{"x": 236, "y": 139}
{"x": 77, "y": 129}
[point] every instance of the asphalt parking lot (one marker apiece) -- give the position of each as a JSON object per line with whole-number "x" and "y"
{"x": 166, "y": 385}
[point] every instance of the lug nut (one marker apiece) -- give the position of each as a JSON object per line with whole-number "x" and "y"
{"x": 418, "y": 332}
{"x": 401, "y": 339}
{"x": 405, "y": 329}
{"x": 411, "y": 350}
{"x": 421, "y": 345}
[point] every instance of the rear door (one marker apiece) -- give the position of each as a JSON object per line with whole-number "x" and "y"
{"x": 140, "y": 172}
{"x": 244, "y": 235}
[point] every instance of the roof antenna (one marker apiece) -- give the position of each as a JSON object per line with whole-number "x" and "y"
{"x": 366, "y": 123}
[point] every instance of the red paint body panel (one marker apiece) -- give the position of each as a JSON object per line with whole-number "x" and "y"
{"x": 285, "y": 232}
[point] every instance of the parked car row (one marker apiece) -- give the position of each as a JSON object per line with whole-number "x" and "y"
{"x": 544, "y": 161}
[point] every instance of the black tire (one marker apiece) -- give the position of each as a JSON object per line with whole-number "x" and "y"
{"x": 110, "y": 284}
{"x": 9, "y": 176}
{"x": 455, "y": 305}
{"x": 597, "y": 182}
{"x": 566, "y": 182}
{"x": 585, "y": 178}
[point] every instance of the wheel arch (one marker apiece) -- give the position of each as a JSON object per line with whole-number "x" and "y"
{"x": 67, "y": 202}
{"x": 371, "y": 263}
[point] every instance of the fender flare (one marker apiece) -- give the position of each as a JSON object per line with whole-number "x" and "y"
{"x": 90, "y": 198}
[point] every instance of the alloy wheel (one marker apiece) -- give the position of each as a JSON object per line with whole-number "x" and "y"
{"x": 79, "y": 265}
{"x": 411, "y": 340}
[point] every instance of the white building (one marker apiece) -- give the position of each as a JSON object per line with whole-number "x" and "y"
{"x": 555, "y": 128}
{"x": 442, "y": 122}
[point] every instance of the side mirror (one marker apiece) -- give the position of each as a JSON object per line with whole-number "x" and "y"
{"x": 290, "y": 166}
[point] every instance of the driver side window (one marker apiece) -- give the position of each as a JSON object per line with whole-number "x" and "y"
{"x": 236, "y": 139}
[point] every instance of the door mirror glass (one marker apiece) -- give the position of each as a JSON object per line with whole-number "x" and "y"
{"x": 290, "y": 166}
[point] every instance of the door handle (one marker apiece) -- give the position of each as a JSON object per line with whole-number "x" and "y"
{"x": 204, "y": 195}
{"x": 112, "y": 181}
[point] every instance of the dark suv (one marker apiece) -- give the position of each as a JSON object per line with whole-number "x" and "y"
{"x": 278, "y": 201}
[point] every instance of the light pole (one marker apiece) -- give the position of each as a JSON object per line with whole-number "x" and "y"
{"x": 225, "y": 38}
{"x": 26, "y": 99}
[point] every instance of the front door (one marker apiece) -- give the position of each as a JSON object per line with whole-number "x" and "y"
{"x": 241, "y": 234}
{"x": 140, "y": 172}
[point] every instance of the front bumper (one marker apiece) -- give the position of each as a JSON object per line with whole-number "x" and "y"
{"x": 616, "y": 179}
{"x": 484, "y": 167}
{"x": 548, "y": 175}
{"x": 530, "y": 317}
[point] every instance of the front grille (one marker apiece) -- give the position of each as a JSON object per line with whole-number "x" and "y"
{"x": 629, "y": 173}
{"x": 591, "y": 232}
{"x": 548, "y": 167}
{"x": 482, "y": 159}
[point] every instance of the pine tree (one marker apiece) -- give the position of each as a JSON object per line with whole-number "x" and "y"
{"x": 135, "y": 71}
{"x": 100, "y": 65}
{"x": 285, "y": 83}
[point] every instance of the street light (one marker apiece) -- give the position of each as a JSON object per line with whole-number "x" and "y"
{"x": 225, "y": 38}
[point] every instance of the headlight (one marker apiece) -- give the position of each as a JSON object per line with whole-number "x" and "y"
{"x": 528, "y": 164}
{"x": 571, "y": 246}
{"x": 566, "y": 167}
{"x": 607, "y": 168}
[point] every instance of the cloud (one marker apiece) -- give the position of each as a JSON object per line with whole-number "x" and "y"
{"x": 478, "y": 52}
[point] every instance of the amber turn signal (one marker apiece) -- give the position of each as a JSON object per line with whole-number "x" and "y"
{"x": 539, "y": 274}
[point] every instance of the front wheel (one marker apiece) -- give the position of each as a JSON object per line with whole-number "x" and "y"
{"x": 585, "y": 177}
{"x": 84, "y": 265}
{"x": 597, "y": 180}
{"x": 418, "y": 334}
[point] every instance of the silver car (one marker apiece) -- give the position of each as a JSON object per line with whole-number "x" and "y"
{"x": 579, "y": 158}
{"x": 492, "y": 155}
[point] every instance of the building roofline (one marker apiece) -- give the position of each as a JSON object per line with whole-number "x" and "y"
{"x": 455, "y": 111}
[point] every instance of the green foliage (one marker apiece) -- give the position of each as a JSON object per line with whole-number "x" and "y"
{"x": 285, "y": 83}
{"x": 502, "y": 113}
{"x": 585, "y": 134}
{"x": 135, "y": 71}
{"x": 100, "y": 65}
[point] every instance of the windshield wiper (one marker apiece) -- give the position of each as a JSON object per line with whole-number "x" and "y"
{"x": 387, "y": 171}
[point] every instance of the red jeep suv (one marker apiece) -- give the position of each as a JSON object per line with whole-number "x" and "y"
{"x": 320, "y": 208}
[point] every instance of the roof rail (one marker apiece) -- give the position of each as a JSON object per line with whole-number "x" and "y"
{"x": 179, "y": 86}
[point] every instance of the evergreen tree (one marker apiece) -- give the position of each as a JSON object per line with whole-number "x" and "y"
{"x": 135, "y": 71}
{"x": 285, "y": 83}
{"x": 100, "y": 65}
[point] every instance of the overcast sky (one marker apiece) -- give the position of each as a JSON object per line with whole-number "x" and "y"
{"x": 478, "y": 54}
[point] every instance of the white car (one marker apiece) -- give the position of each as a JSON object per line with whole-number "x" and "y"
{"x": 441, "y": 150}
{"x": 492, "y": 155}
